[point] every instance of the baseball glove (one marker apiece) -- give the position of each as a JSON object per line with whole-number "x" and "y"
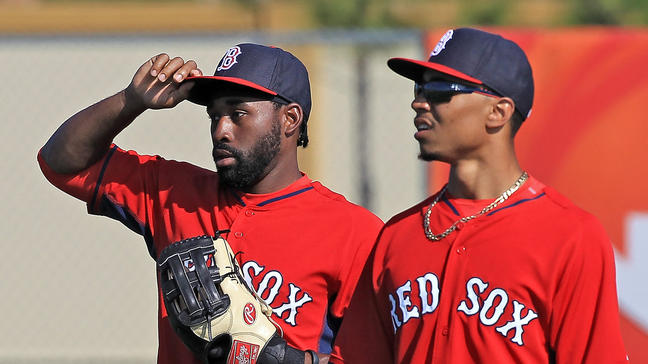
{"x": 212, "y": 309}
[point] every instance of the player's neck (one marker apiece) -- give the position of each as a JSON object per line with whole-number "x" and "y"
{"x": 281, "y": 175}
{"x": 480, "y": 180}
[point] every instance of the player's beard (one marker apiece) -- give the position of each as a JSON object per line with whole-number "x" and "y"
{"x": 251, "y": 165}
{"x": 433, "y": 157}
{"x": 428, "y": 157}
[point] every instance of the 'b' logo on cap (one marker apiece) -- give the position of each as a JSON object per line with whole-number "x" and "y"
{"x": 442, "y": 42}
{"x": 229, "y": 59}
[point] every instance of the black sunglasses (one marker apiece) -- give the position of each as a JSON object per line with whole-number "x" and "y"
{"x": 442, "y": 91}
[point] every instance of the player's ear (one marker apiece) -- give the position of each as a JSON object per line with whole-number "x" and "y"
{"x": 292, "y": 117}
{"x": 500, "y": 112}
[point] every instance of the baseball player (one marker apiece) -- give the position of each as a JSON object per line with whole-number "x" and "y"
{"x": 496, "y": 267}
{"x": 299, "y": 245}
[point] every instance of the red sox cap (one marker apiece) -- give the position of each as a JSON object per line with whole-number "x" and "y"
{"x": 479, "y": 57}
{"x": 270, "y": 70}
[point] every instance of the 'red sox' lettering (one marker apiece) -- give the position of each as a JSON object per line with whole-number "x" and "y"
{"x": 268, "y": 290}
{"x": 488, "y": 311}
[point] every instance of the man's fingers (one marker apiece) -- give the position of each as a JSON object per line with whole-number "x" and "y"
{"x": 158, "y": 63}
{"x": 171, "y": 67}
{"x": 159, "y": 82}
{"x": 183, "y": 90}
{"x": 164, "y": 68}
{"x": 185, "y": 71}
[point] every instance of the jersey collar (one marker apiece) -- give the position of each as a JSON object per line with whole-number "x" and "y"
{"x": 530, "y": 191}
{"x": 303, "y": 184}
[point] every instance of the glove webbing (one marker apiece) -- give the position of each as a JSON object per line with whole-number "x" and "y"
{"x": 198, "y": 288}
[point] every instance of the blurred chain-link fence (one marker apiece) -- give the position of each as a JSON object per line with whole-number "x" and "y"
{"x": 81, "y": 289}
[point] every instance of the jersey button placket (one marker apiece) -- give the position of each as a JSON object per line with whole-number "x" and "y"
{"x": 460, "y": 249}
{"x": 237, "y": 229}
{"x": 446, "y": 310}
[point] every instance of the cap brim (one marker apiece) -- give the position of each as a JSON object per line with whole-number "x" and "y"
{"x": 206, "y": 86}
{"x": 415, "y": 70}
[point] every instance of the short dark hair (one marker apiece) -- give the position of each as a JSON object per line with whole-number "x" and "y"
{"x": 516, "y": 122}
{"x": 302, "y": 140}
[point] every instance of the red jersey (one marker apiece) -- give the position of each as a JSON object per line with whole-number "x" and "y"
{"x": 531, "y": 281}
{"x": 302, "y": 247}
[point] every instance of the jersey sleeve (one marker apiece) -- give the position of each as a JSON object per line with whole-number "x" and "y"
{"x": 361, "y": 240}
{"x": 119, "y": 186}
{"x": 365, "y": 336}
{"x": 584, "y": 322}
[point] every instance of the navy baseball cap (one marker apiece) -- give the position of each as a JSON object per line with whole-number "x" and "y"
{"x": 270, "y": 70}
{"x": 479, "y": 57}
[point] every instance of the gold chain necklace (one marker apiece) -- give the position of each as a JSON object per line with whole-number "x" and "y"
{"x": 426, "y": 219}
